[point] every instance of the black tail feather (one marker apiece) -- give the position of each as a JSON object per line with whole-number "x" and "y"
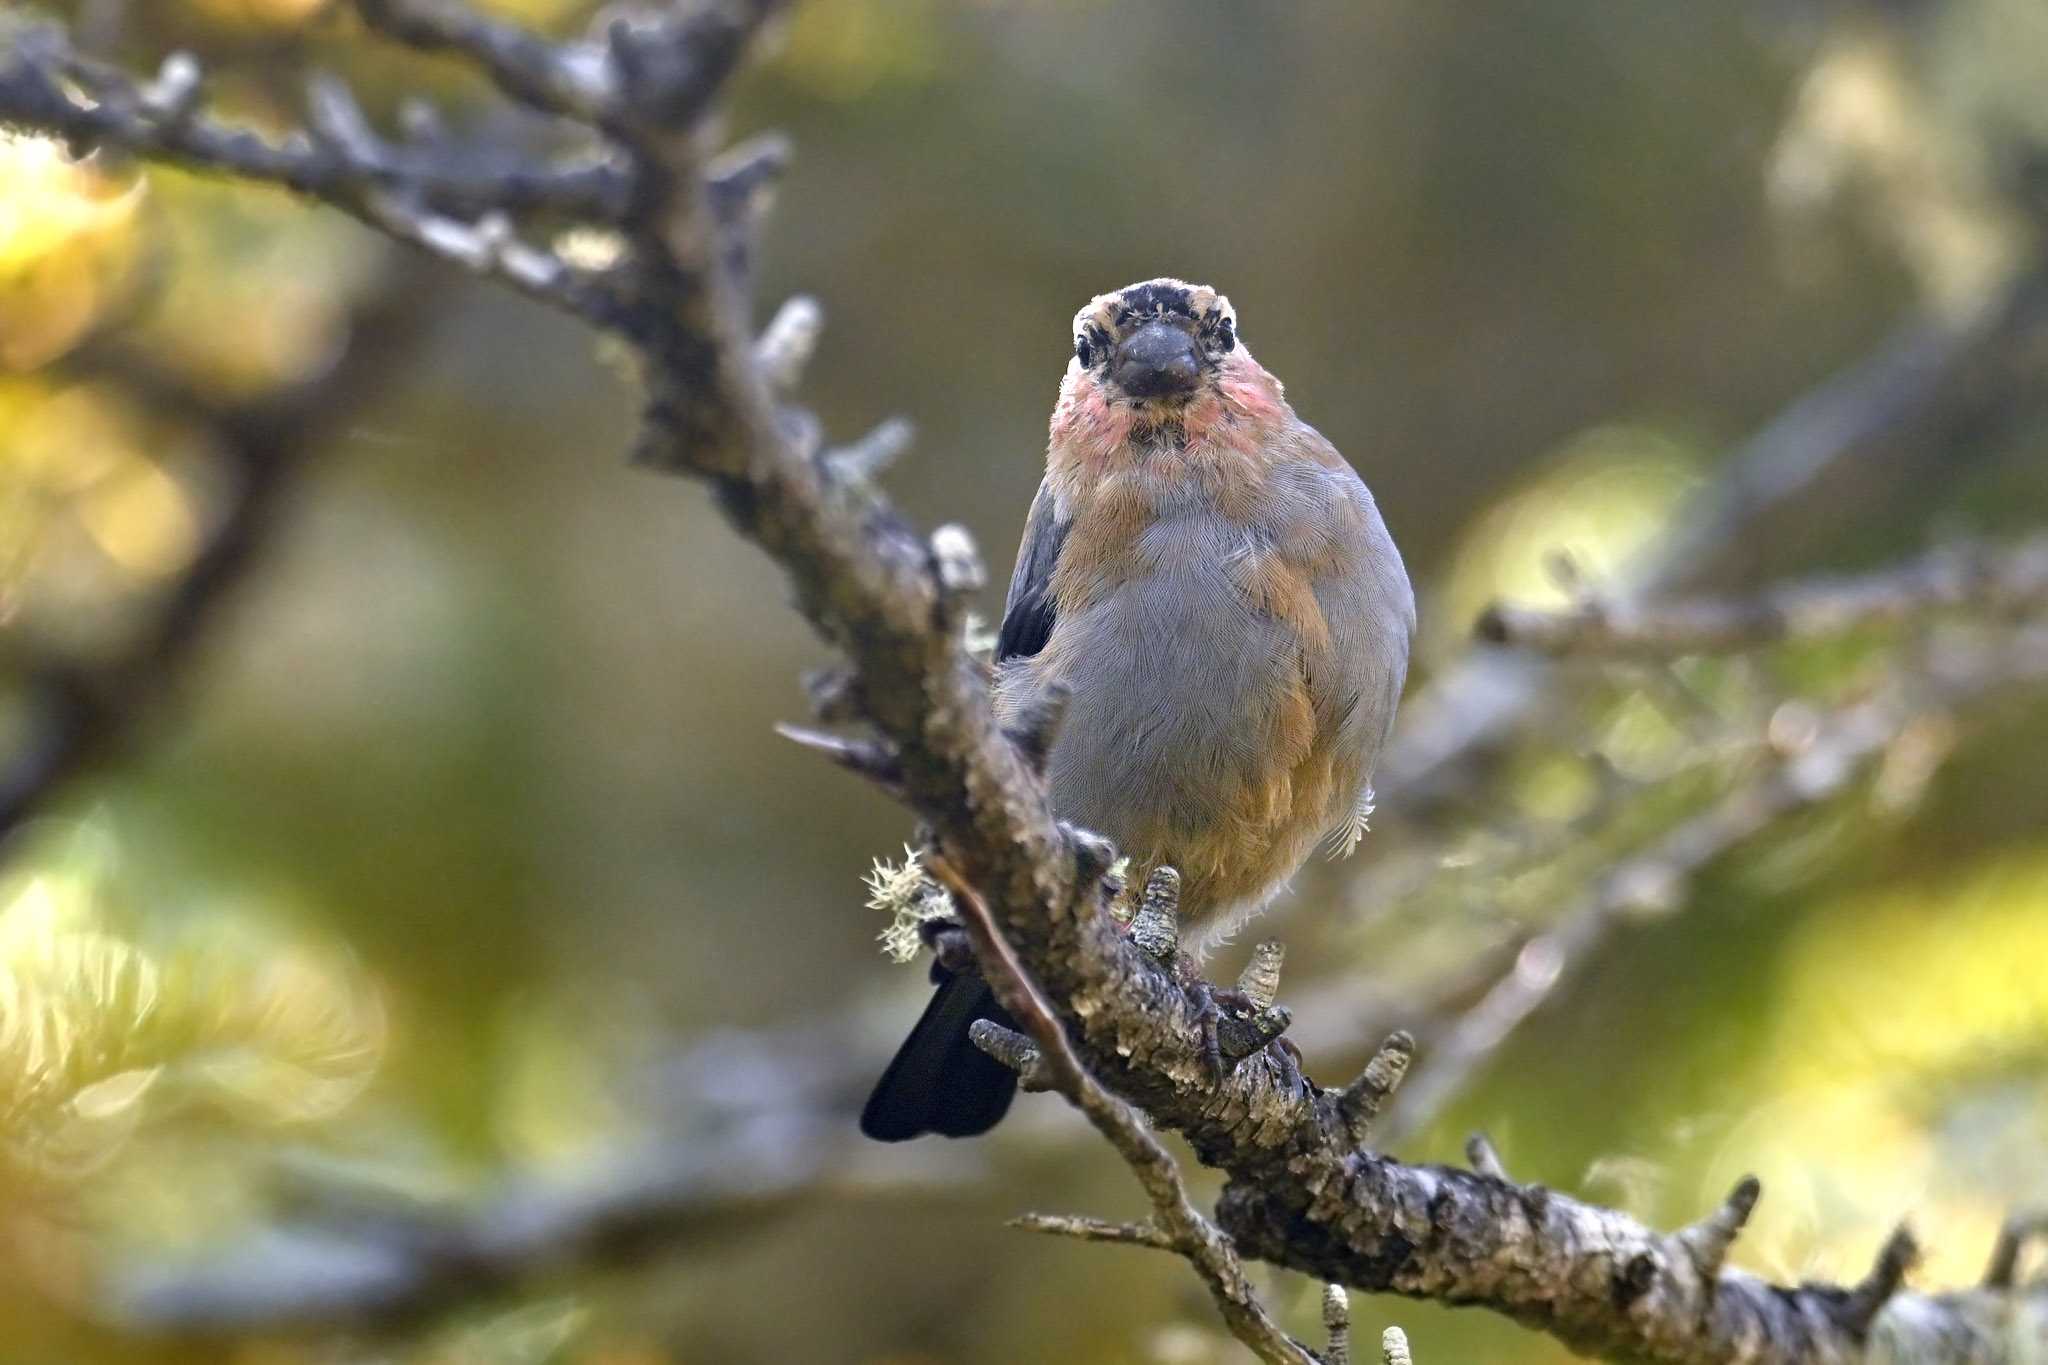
{"x": 940, "y": 1082}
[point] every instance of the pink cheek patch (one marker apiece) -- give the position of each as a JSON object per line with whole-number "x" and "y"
{"x": 1090, "y": 425}
{"x": 1253, "y": 399}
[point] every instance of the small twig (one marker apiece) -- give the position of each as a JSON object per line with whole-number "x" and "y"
{"x": 573, "y": 81}
{"x": 1014, "y": 1051}
{"x": 491, "y": 248}
{"x": 1360, "y": 1101}
{"x": 1887, "y": 1275}
{"x": 1096, "y": 1230}
{"x": 1259, "y": 982}
{"x": 1190, "y": 1234}
{"x": 865, "y": 458}
{"x": 789, "y": 341}
{"x": 1707, "y": 1241}
{"x": 1155, "y": 928}
{"x": 874, "y": 759}
{"x": 1481, "y": 1157}
{"x": 956, "y": 563}
{"x": 1336, "y": 1325}
{"x": 2019, "y": 1230}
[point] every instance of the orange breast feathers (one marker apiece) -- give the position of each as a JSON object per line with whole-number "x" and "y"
{"x": 1225, "y": 491}
{"x": 1116, "y": 470}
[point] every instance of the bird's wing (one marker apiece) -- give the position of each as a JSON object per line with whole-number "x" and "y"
{"x": 1373, "y": 608}
{"x": 1029, "y": 609}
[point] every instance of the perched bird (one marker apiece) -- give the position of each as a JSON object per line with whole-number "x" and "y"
{"x": 1214, "y": 587}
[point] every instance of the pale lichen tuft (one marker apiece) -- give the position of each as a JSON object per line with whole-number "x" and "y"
{"x": 903, "y": 892}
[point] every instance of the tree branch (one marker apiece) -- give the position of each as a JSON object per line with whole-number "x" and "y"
{"x": 1893, "y": 414}
{"x": 1835, "y": 753}
{"x": 162, "y": 120}
{"x": 383, "y": 1267}
{"x": 573, "y": 80}
{"x": 2012, "y": 581}
{"x": 1180, "y": 1226}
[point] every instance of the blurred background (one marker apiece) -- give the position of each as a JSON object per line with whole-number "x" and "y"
{"x": 450, "y": 856}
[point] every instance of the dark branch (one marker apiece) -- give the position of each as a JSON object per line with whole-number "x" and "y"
{"x": 166, "y": 125}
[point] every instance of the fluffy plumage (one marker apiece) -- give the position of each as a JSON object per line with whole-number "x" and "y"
{"x": 1214, "y": 585}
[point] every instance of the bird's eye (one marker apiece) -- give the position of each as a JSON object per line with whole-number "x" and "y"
{"x": 1226, "y": 336}
{"x": 1084, "y": 351}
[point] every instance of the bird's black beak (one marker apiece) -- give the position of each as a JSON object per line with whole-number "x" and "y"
{"x": 1159, "y": 360}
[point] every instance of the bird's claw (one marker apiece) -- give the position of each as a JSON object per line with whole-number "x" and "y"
{"x": 947, "y": 941}
{"x": 1287, "y": 1057}
{"x": 1212, "y": 1007}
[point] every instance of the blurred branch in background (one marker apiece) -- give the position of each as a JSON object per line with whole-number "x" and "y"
{"x": 83, "y": 714}
{"x": 660, "y": 269}
{"x": 1893, "y": 416}
{"x": 1811, "y": 757}
{"x": 1995, "y": 581}
{"x": 753, "y": 1127}
{"x": 365, "y": 1264}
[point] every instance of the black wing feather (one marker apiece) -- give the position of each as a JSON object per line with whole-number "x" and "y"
{"x": 1029, "y": 610}
{"x": 940, "y": 1082}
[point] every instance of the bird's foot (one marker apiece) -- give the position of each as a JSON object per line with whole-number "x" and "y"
{"x": 951, "y": 949}
{"x": 1216, "y": 1009}
{"x": 1287, "y": 1057}
{"x": 1235, "y": 1023}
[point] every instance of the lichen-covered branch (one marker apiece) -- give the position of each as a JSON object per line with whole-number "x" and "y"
{"x": 1115, "y": 1028}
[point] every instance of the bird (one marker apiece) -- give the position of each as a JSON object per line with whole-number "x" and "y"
{"x": 1214, "y": 589}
